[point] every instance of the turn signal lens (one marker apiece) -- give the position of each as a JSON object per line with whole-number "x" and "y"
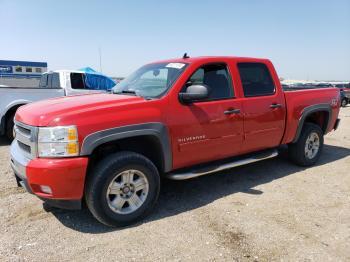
{"x": 72, "y": 148}
{"x": 72, "y": 134}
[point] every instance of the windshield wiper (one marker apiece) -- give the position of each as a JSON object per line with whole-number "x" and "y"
{"x": 132, "y": 92}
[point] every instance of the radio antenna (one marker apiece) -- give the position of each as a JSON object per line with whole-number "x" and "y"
{"x": 185, "y": 56}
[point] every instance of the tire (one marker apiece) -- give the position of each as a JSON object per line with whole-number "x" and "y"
{"x": 344, "y": 102}
{"x": 299, "y": 153}
{"x": 103, "y": 179}
{"x": 9, "y": 126}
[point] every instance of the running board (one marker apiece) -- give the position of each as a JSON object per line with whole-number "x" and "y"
{"x": 201, "y": 171}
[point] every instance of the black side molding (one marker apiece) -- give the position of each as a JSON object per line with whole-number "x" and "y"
{"x": 155, "y": 129}
{"x": 309, "y": 110}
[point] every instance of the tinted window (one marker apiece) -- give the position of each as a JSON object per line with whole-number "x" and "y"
{"x": 18, "y": 69}
{"x": 55, "y": 82}
{"x": 216, "y": 77}
{"x": 37, "y": 70}
{"x": 197, "y": 77}
{"x": 29, "y": 69}
{"x": 77, "y": 81}
{"x": 256, "y": 79}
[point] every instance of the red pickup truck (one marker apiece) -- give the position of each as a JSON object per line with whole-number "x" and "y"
{"x": 178, "y": 118}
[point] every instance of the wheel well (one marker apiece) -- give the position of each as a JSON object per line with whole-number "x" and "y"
{"x": 11, "y": 111}
{"x": 319, "y": 118}
{"x": 146, "y": 145}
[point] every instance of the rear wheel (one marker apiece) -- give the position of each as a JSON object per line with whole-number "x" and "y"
{"x": 307, "y": 150}
{"x": 10, "y": 126}
{"x": 123, "y": 188}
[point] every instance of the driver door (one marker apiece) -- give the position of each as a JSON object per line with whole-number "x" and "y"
{"x": 210, "y": 129}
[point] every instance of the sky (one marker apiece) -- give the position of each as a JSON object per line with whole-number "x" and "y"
{"x": 304, "y": 39}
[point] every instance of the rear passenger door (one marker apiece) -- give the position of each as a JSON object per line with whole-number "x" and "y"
{"x": 263, "y": 107}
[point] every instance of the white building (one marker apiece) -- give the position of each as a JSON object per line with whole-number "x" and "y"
{"x": 21, "y": 73}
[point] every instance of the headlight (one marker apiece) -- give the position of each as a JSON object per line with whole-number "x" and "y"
{"x": 59, "y": 141}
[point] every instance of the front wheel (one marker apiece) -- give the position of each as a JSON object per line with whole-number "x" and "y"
{"x": 122, "y": 189}
{"x": 307, "y": 150}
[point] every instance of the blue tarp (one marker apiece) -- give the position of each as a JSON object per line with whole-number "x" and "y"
{"x": 97, "y": 81}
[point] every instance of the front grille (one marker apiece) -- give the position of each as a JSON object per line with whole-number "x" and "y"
{"x": 26, "y": 137}
{"x": 24, "y": 130}
{"x": 24, "y": 147}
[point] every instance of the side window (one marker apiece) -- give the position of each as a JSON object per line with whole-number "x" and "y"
{"x": 216, "y": 77}
{"x": 256, "y": 79}
{"x": 77, "y": 81}
{"x": 197, "y": 77}
{"x": 55, "y": 82}
{"x": 43, "y": 81}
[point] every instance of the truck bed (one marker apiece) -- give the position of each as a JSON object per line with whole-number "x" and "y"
{"x": 299, "y": 99}
{"x": 296, "y": 88}
{"x": 22, "y": 95}
{"x": 23, "y": 87}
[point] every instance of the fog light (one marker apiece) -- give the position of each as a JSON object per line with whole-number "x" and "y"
{"x": 46, "y": 189}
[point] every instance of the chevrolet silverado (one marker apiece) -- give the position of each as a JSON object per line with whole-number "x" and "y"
{"x": 179, "y": 119}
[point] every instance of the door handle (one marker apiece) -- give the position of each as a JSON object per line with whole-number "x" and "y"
{"x": 275, "y": 106}
{"x": 232, "y": 111}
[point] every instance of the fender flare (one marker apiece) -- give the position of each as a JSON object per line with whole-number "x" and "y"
{"x": 156, "y": 129}
{"x": 309, "y": 110}
{"x": 15, "y": 103}
{"x": 9, "y": 107}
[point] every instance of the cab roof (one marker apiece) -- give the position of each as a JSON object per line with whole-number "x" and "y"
{"x": 211, "y": 59}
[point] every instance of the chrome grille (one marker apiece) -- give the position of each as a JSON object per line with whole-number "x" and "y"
{"x": 26, "y": 137}
{"x": 24, "y": 147}
{"x": 24, "y": 130}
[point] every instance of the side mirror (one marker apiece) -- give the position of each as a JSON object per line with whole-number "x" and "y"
{"x": 194, "y": 93}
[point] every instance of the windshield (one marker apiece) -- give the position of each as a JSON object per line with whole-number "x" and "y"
{"x": 151, "y": 81}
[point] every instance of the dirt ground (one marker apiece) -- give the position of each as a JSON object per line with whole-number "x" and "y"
{"x": 266, "y": 211}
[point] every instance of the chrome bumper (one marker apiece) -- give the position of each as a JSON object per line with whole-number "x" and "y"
{"x": 18, "y": 161}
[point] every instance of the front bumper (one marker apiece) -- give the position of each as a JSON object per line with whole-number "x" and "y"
{"x": 64, "y": 176}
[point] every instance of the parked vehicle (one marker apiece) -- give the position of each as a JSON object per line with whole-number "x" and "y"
{"x": 344, "y": 93}
{"x": 52, "y": 84}
{"x": 179, "y": 118}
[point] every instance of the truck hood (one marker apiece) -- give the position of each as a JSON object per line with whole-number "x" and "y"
{"x": 50, "y": 111}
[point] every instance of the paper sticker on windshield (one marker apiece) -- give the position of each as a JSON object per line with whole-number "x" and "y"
{"x": 175, "y": 65}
